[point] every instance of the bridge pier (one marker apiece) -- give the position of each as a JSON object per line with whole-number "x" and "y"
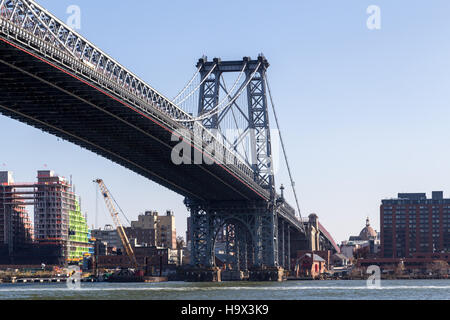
{"x": 245, "y": 234}
{"x": 267, "y": 274}
{"x": 91, "y": 98}
{"x": 203, "y": 275}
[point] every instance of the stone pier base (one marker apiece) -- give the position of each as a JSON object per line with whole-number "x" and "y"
{"x": 203, "y": 275}
{"x": 267, "y": 274}
{"x": 234, "y": 275}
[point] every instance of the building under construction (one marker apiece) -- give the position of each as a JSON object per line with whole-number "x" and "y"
{"x": 16, "y": 229}
{"x": 61, "y": 235}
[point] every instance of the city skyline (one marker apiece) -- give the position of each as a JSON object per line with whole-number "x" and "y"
{"x": 359, "y": 124}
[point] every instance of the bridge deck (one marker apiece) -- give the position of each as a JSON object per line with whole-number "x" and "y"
{"x": 46, "y": 96}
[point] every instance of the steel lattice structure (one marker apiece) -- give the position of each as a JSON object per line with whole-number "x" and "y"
{"x": 257, "y": 126}
{"x": 34, "y": 26}
{"x": 97, "y": 103}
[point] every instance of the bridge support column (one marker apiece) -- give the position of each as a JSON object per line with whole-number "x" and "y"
{"x": 250, "y": 242}
{"x": 201, "y": 238}
{"x": 282, "y": 244}
{"x": 288, "y": 266}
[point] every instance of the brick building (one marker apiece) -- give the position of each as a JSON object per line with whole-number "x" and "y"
{"x": 162, "y": 229}
{"x": 149, "y": 230}
{"x": 413, "y": 224}
{"x": 310, "y": 265}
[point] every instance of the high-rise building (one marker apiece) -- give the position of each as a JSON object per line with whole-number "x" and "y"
{"x": 413, "y": 224}
{"x": 53, "y": 201}
{"x": 16, "y": 228}
{"x": 60, "y": 230}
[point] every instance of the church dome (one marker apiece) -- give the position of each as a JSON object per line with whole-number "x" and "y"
{"x": 367, "y": 233}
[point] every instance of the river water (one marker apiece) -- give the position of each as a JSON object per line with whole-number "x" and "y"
{"x": 290, "y": 290}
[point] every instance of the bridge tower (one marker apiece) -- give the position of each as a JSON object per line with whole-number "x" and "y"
{"x": 251, "y": 227}
{"x": 91, "y": 97}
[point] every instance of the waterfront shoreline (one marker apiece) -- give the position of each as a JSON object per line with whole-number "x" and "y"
{"x": 85, "y": 280}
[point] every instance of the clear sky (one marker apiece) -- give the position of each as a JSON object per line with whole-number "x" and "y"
{"x": 365, "y": 113}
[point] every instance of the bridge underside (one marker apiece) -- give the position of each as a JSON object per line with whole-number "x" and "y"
{"x": 60, "y": 83}
{"x": 49, "y": 98}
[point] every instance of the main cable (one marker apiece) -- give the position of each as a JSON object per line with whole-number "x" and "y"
{"x": 217, "y": 109}
{"x": 198, "y": 87}
{"x": 283, "y": 147}
{"x": 187, "y": 86}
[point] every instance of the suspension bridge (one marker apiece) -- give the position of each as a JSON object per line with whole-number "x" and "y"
{"x": 211, "y": 143}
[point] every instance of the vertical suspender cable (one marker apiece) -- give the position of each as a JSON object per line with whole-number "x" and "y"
{"x": 283, "y": 147}
{"x": 96, "y": 205}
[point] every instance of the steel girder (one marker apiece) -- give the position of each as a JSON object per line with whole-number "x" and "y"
{"x": 209, "y": 96}
{"x": 29, "y": 25}
{"x": 36, "y": 20}
{"x": 201, "y": 229}
{"x": 284, "y": 250}
{"x": 258, "y": 114}
{"x": 260, "y": 131}
{"x": 252, "y": 238}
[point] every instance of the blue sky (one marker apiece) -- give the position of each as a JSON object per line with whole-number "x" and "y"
{"x": 364, "y": 113}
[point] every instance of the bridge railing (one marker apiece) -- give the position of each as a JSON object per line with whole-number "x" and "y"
{"x": 35, "y": 27}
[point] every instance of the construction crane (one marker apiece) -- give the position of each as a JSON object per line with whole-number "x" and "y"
{"x": 115, "y": 216}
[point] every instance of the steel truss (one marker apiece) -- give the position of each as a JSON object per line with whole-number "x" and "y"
{"x": 257, "y": 115}
{"x": 284, "y": 244}
{"x": 251, "y": 230}
{"x": 253, "y": 239}
{"x": 27, "y": 24}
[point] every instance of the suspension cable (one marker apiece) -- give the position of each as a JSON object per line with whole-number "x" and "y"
{"x": 283, "y": 147}
{"x": 235, "y": 122}
{"x": 228, "y": 97}
{"x": 198, "y": 87}
{"x": 215, "y": 111}
{"x": 187, "y": 86}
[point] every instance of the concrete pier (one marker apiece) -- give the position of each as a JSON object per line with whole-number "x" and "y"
{"x": 267, "y": 274}
{"x": 203, "y": 275}
{"x": 234, "y": 275}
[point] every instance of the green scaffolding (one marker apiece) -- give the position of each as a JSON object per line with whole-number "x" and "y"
{"x": 78, "y": 235}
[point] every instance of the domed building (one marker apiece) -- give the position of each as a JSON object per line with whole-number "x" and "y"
{"x": 368, "y": 233}
{"x": 367, "y": 238}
